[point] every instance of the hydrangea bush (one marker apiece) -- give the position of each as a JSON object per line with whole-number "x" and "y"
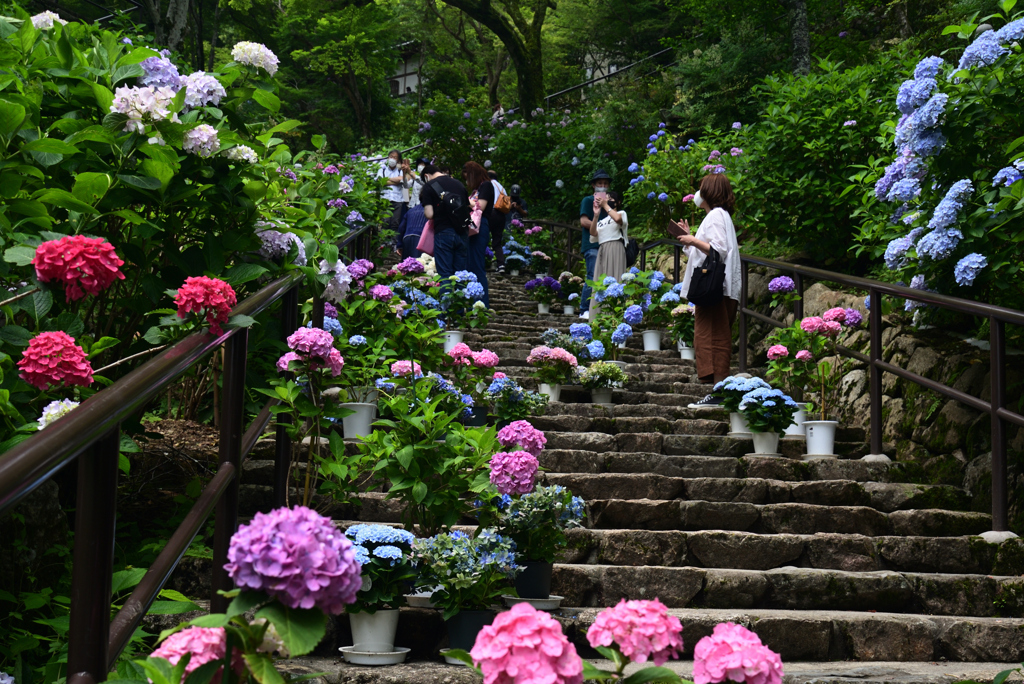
{"x": 384, "y": 555}
{"x": 536, "y": 520}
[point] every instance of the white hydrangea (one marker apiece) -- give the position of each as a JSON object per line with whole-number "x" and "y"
{"x": 201, "y": 140}
{"x": 340, "y": 281}
{"x": 44, "y": 20}
{"x": 256, "y": 55}
{"x": 478, "y": 304}
{"x": 143, "y": 105}
{"x": 487, "y": 164}
{"x": 581, "y": 146}
{"x": 559, "y": 184}
{"x": 243, "y": 153}
{"x": 202, "y": 89}
{"x": 272, "y": 642}
{"x": 626, "y": 277}
{"x": 56, "y": 410}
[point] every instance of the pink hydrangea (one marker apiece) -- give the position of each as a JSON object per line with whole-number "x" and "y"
{"x": 642, "y": 630}
{"x": 831, "y": 328}
{"x": 461, "y": 353}
{"x": 526, "y": 646}
{"x": 206, "y": 644}
{"x": 84, "y": 265}
{"x": 311, "y": 342}
{"x": 777, "y": 351}
{"x": 402, "y": 368}
{"x": 811, "y": 324}
{"x": 837, "y": 314}
{"x": 485, "y": 358}
{"x": 53, "y": 358}
{"x": 513, "y": 472}
{"x": 381, "y": 293}
{"x": 538, "y": 354}
{"x": 298, "y": 557}
{"x": 212, "y": 295}
{"x": 282, "y": 363}
{"x": 559, "y": 355}
{"x": 498, "y": 375}
{"x": 804, "y": 355}
{"x": 522, "y": 434}
{"x": 734, "y": 653}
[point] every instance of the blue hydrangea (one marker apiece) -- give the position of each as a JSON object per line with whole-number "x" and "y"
{"x": 634, "y": 315}
{"x": 1011, "y": 32}
{"x": 678, "y": 288}
{"x": 634, "y": 181}
{"x": 658, "y": 275}
{"x": 331, "y": 325}
{"x": 474, "y": 290}
{"x": 609, "y": 280}
{"x": 917, "y": 283}
{"x": 653, "y": 138}
{"x": 663, "y": 197}
{"x": 633, "y": 168}
{"x": 931, "y": 112}
{"x": 634, "y": 270}
{"x": 357, "y": 340}
{"x": 465, "y": 277}
{"x": 645, "y": 303}
{"x": 650, "y": 195}
{"x": 691, "y": 141}
{"x": 383, "y": 385}
{"x": 615, "y": 291}
{"x": 928, "y": 67}
{"x": 939, "y": 244}
{"x": 984, "y": 51}
{"x": 867, "y": 302}
{"x": 388, "y": 553}
{"x": 622, "y": 333}
{"x": 904, "y": 190}
{"x": 741, "y": 385}
{"x": 581, "y": 331}
{"x": 927, "y": 143}
{"x": 596, "y": 350}
{"x": 653, "y": 150}
{"x": 654, "y": 285}
{"x": 967, "y": 269}
{"x": 1006, "y": 176}
{"x": 640, "y": 179}
{"x": 661, "y": 133}
{"x": 670, "y": 298}
{"x": 506, "y": 386}
{"x": 362, "y": 555}
{"x": 946, "y": 212}
{"x": 914, "y": 93}
{"x": 379, "y": 534}
{"x": 766, "y": 396}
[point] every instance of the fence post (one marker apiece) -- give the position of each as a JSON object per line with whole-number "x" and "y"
{"x": 89, "y": 632}
{"x": 283, "y": 443}
{"x": 997, "y": 359}
{"x": 798, "y": 306}
{"x": 875, "y": 373}
{"x": 743, "y": 318}
{"x": 232, "y": 415}
{"x": 675, "y": 270}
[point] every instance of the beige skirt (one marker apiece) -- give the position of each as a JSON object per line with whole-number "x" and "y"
{"x": 611, "y": 261}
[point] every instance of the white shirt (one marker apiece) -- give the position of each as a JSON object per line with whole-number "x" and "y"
{"x": 414, "y": 192}
{"x": 608, "y": 230}
{"x": 717, "y": 230}
{"x": 392, "y": 193}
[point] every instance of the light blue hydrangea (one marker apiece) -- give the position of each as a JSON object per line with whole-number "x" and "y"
{"x": 927, "y": 143}
{"x": 634, "y": 315}
{"x": 474, "y": 290}
{"x": 663, "y": 197}
{"x": 928, "y": 67}
{"x": 658, "y": 275}
{"x": 615, "y": 291}
{"x": 633, "y": 168}
{"x": 634, "y": 270}
{"x": 331, "y": 325}
{"x": 389, "y": 553}
{"x": 609, "y": 280}
{"x": 984, "y": 51}
{"x": 379, "y": 534}
{"x": 917, "y": 283}
{"x": 622, "y": 333}
{"x": 678, "y": 288}
{"x": 1011, "y": 32}
{"x": 645, "y": 303}
{"x": 357, "y": 340}
{"x": 940, "y": 243}
{"x": 929, "y": 115}
{"x": 913, "y": 93}
{"x": 946, "y": 212}
{"x": 1006, "y": 176}
{"x": 968, "y": 268}
{"x": 362, "y": 555}
{"x": 904, "y": 190}
{"x": 595, "y": 349}
{"x": 581, "y": 331}
{"x": 465, "y": 277}
{"x": 670, "y": 298}
{"x": 650, "y": 195}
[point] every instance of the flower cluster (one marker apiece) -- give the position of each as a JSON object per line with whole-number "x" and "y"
{"x": 513, "y": 472}
{"x": 581, "y": 332}
{"x": 243, "y": 153}
{"x": 967, "y": 269}
{"x": 255, "y": 55}
{"x": 403, "y": 368}
{"x": 53, "y": 358}
{"x": 84, "y": 265}
{"x": 202, "y": 89}
{"x": 296, "y": 556}
{"x": 735, "y": 654}
{"x": 205, "y": 644}
{"x": 44, "y": 20}
{"x": 161, "y": 72}
{"x": 360, "y": 268}
{"x": 339, "y": 284}
{"x": 201, "y": 140}
{"x": 643, "y": 630}
{"x": 56, "y": 410}
{"x": 143, "y": 105}
{"x": 277, "y": 244}
{"x": 522, "y": 434}
{"x": 781, "y": 285}
{"x": 315, "y": 347}
{"x": 210, "y": 295}
{"x": 622, "y": 333}
{"x": 526, "y": 645}
{"x": 409, "y": 266}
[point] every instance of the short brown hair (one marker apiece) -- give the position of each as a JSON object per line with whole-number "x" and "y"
{"x": 716, "y": 190}
{"x": 475, "y": 176}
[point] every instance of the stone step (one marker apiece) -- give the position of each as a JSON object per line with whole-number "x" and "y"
{"x": 781, "y": 518}
{"x": 683, "y": 444}
{"x": 614, "y": 426}
{"x": 790, "y": 588}
{"x": 749, "y": 551}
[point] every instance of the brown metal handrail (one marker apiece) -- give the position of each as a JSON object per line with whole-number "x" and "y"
{"x": 91, "y": 433}
{"x": 997, "y": 316}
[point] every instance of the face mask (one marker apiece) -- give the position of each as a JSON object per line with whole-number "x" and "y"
{"x": 697, "y": 199}
{"x": 419, "y": 169}
{"x": 392, "y": 163}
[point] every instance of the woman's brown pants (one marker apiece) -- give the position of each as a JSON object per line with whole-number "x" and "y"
{"x": 712, "y": 339}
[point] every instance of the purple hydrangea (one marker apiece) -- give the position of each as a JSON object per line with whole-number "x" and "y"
{"x": 853, "y": 318}
{"x": 359, "y": 268}
{"x": 201, "y": 140}
{"x": 381, "y": 293}
{"x": 410, "y": 266}
{"x": 160, "y": 71}
{"x": 737, "y": 125}
{"x": 354, "y": 217}
{"x": 298, "y": 557}
{"x": 330, "y": 311}
{"x": 781, "y": 285}
{"x": 984, "y": 51}
{"x": 337, "y": 203}
{"x": 917, "y": 283}
{"x": 287, "y": 173}
{"x": 277, "y": 244}
{"x": 633, "y": 315}
{"x": 202, "y": 89}
{"x": 967, "y": 269}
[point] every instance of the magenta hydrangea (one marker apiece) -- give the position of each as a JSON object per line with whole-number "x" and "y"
{"x": 522, "y": 434}
{"x": 526, "y": 646}
{"x": 206, "y": 644}
{"x": 643, "y": 630}
{"x": 381, "y": 293}
{"x": 311, "y": 341}
{"x": 485, "y": 358}
{"x": 410, "y": 266}
{"x": 513, "y": 472}
{"x": 837, "y": 314}
{"x": 811, "y": 324}
{"x": 298, "y": 557}
{"x": 359, "y": 268}
{"x": 734, "y": 653}
{"x": 777, "y": 351}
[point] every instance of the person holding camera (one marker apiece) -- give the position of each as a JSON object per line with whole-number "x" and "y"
{"x": 610, "y": 233}
{"x": 601, "y": 182}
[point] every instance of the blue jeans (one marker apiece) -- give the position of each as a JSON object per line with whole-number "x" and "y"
{"x": 478, "y": 257}
{"x": 590, "y": 256}
{"x": 449, "y": 253}
{"x": 409, "y": 244}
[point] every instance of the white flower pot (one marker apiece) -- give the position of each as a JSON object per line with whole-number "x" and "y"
{"x": 568, "y": 310}
{"x": 601, "y": 396}
{"x": 797, "y": 428}
{"x": 514, "y": 271}
{"x": 821, "y": 437}
{"x": 738, "y": 425}
{"x": 374, "y": 633}
{"x": 553, "y": 391}
{"x": 481, "y": 386}
{"x": 621, "y": 345}
{"x": 765, "y": 442}
{"x": 541, "y": 274}
{"x": 452, "y": 338}
{"x": 686, "y": 351}
{"x": 364, "y": 395}
{"x": 543, "y": 308}
{"x": 652, "y": 340}
{"x": 359, "y": 424}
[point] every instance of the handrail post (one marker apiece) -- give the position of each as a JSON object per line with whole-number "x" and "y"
{"x": 232, "y": 415}
{"x": 743, "y": 318}
{"x": 675, "y": 269}
{"x": 798, "y": 305}
{"x": 643, "y": 259}
{"x": 282, "y": 442}
{"x": 997, "y": 359}
{"x": 875, "y": 379}
{"x": 93, "y": 561}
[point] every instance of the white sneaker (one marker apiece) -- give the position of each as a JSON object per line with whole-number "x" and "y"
{"x": 585, "y": 315}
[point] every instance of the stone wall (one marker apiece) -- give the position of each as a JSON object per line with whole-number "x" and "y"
{"x": 944, "y": 441}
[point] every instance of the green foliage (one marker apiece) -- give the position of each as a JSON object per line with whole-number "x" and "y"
{"x": 602, "y": 375}
{"x": 536, "y": 521}
{"x": 510, "y": 402}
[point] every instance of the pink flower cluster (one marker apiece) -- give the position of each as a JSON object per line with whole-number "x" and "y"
{"x": 534, "y": 230}
{"x": 211, "y": 295}
{"x": 526, "y": 646}
{"x": 545, "y": 354}
{"x": 485, "y": 358}
{"x": 315, "y": 347}
{"x": 837, "y": 314}
{"x": 498, "y": 375}
{"x": 461, "y": 354}
{"x": 206, "y": 644}
{"x": 776, "y": 352}
{"x": 804, "y": 355}
{"x": 402, "y": 368}
{"x": 811, "y": 324}
{"x": 382, "y": 293}
{"x": 53, "y": 358}
{"x": 513, "y": 472}
{"x": 85, "y": 265}
{"x": 642, "y": 630}
{"x": 734, "y": 653}
{"x": 522, "y": 434}
{"x": 298, "y": 557}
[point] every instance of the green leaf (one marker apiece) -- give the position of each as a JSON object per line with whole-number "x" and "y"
{"x": 461, "y": 656}
{"x": 240, "y": 321}
{"x": 49, "y": 145}
{"x": 102, "y": 344}
{"x": 154, "y": 335}
{"x": 123, "y": 464}
{"x": 268, "y": 99}
{"x": 212, "y": 620}
{"x": 243, "y": 273}
{"x": 40, "y": 304}
{"x": 653, "y": 674}
{"x": 104, "y": 98}
{"x": 126, "y": 579}
{"x": 127, "y": 445}
{"x": 162, "y": 171}
{"x": 144, "y": 182}
{"x": 15, "y": 335}
{"x": 244, "y": 602}
{"x": 90, "y": 187}
{"x": 172, "y": 608}
{"x": 115, "y": 121}
{"x": 262, "y": 668}
{"x": 419, "y": 492}
{"x": 283, "y": 126}
{"x": 11, "y": 117}
{"x": 65, "y": 200}
{"x": 1001, "y": 677}
{"x": 405, "y": 454}
{"x": 22, "y": 255}
{"x": 592, "y": 673}
{"x": 300, "y": 630}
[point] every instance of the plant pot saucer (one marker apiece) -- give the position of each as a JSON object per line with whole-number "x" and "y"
{"x": 419, "y": 601}
{"x": 794, "y": 437}
{"x": 740, "y": 435}
{"x": 374, "y": 657}
{"x": 450, "y": 661}
{"x": 817, "y": 457}
{"x": 757, "y": 454}
{"x": 550, "y": 603}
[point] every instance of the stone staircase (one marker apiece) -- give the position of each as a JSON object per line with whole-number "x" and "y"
{"x": 826, "y": 560}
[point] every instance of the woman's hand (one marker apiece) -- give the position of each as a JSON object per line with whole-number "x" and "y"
{"x": 684, "y": 226}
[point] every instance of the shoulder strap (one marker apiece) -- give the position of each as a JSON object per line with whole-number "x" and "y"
{"x": 437, "y": 188}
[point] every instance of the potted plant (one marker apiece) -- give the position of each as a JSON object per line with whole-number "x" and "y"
{"x": 601, "y": 378}
{"x": 540, "y": 262}
{"x": 357, "y": 392}
{"x": 767, "y": 413}
{"x": 385, "y": 556}
{"x": 731, "y": 391}
{"x": 510, "y": 402}
{"x": 517, "y": 257}
{"x": 545, "y": 291}
{"x": 461, "y": 306}
{"x": 466, "y": 575}
{"x": 552, "y": 367}
{"x": 681, "y": 330}
{"x": 821, "y": 433}
{"x": 792, "y": 364}
{"x": 572, "y": 288}
{"x": 569, "y": 309}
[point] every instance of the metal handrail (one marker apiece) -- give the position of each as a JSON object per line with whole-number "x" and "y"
{"x": 998, "y": 317}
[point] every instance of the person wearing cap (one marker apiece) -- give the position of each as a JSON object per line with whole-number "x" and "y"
{"x": 600, "y": 182}
{"x": 417, "y": 182}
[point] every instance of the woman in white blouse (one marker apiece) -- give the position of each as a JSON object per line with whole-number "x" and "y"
{"x": 712, "y": 331}
{"x": 610, "y": 233}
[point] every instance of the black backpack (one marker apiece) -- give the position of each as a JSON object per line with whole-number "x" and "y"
{"x": 452, "y": 206}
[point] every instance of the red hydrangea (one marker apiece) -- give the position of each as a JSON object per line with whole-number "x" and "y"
{"x": 206, "y": 644}
{"x": 85, "y": 265}
{"x": 526, "y": 646}
{"x": 733, "y": 653}
{"x": 513, "y": 472}
{"x": 210, "y": 295}
{"x": 53, "y": 358}
{"x": 642, "y": 630}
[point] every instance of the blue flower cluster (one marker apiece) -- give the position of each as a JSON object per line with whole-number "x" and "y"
{"x": 915, "y": 92}
{"x": 331, "y": 325}
{"x": 615, "y": 291}
{"x": 645, "y": 303}
{"x": 670, "y": 297}
{"x": 917, "y": 283}
{"x": 443, "y": 386}
{"x": 507, "y": 386}
{"x": 967, "y": 269}
{"x": 896, "y": 251}
{"x": 465, "y": 277}
{"x": 389, "y": 553}
{"x": 984, "y": 51}
{"x": 622, "y": 333}
{"x": 609, "y": 280}
{"x": 384, "y": 385}
{"x": 678, "y": 288}
{"x": 741, "y": 385}
{"x": 1006, "y": 176}
{"x": 766, "y": 396}
{"x": 362, "y": 555}
{"x": 473, "y": 290}
{"x": 940, "y": 243}
{"x": 357, "y": 340}
{"x": 379, "y": 534}
{"x": 581, "y": 331}
{"x": 595, "y": 350}
{"x": 634, "y": 315}
{"x": 633, "y": 168}
{"x": 945, "y": 214}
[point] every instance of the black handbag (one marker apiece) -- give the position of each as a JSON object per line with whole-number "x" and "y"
{"x": 632, "y": 251}
{"x": 707, "y": 284}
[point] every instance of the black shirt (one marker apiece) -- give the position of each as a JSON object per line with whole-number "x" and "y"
{"x": 428, "y": 197}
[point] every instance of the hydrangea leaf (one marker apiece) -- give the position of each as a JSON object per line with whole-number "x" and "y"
{"x": 300, "y": 629}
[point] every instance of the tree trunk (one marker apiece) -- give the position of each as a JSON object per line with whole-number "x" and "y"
{"x": 801, "y": 35}
{"x": 213, "y": 35}
{"x": 177, "y": 16}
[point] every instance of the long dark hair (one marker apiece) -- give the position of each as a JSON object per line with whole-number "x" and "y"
{"x": 475, "y": 175}
{"x": 716, "y": 190}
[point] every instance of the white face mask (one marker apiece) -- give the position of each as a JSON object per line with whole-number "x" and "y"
{"x": 392, "y": 163}
{"x": 419, "y": 169}
{"x": 697, "y": 199}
